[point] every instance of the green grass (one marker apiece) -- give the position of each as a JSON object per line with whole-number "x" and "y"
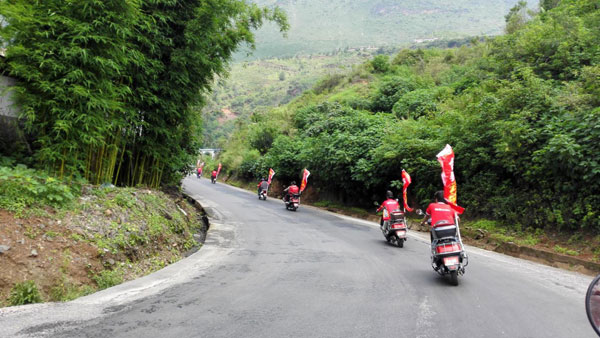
{"x": 108, "y": 278}
{"x": 559, "y": 249}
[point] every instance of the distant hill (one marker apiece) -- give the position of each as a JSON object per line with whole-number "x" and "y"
{"x": 319, "y": 26}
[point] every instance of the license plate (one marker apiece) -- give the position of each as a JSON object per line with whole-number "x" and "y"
{"x": 451, "y": 261}
{"x": 401, "y": 233}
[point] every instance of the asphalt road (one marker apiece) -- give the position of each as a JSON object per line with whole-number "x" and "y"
{"x": 269, "y": 272}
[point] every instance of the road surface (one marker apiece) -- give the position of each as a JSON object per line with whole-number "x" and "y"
{"x": 268, "y": 272}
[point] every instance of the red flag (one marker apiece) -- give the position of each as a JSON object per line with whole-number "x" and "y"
{"x": 405, "y": 183}
{"x": 219, "y": 169}
{"x": 455, "y": 207}
{"x": 271, "y": 174}
{"x": 446, "y": 159}
{"x": 304, "y": 180}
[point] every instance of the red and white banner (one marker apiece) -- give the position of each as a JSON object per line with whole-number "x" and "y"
{"x": 219, "y": 169}
{"x": 446, "y": 159}
{"x": 406, "y": 181}
{"x": 271, "y": 174}
{"x": 304, "y": 180}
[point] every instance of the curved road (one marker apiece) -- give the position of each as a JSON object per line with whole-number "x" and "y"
{"x": 268, "y": 272}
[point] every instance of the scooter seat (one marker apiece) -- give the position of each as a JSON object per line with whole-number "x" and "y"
{"x": 444, "y": 231}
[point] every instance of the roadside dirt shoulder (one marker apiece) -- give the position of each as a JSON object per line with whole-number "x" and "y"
{"x": 109, "y": 236}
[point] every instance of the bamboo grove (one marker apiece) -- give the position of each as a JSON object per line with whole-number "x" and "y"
{"x": 107, "y": 88}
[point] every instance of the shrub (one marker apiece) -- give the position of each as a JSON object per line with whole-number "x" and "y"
{"x": 107, "y": 278}
{"x": 381, "y": 64}
{"x": 25, "y": 293}
{"x": 22, "y": 188}
{"x": 415, "y": 104}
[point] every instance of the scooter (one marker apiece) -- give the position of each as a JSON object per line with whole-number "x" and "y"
{"x": 592, "y": 304}
{"x": 213, "y": 180}
{"x": 394, "y": 230}
{"x": 448, "y": 256}
{"x": 263, "y": 195}
{"x": 293, "y": 203}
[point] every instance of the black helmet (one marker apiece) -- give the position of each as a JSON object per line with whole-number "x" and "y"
{"x": 293, "y": 183}
{"x": 439, "y": 196}
{"x": 389, "y": 194}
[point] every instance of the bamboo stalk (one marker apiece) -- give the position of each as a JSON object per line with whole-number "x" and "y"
{"x": 120, "y": 164}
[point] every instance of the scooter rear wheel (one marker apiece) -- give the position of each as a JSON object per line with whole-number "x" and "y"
{"x": 454, "y": 277}
{"x": 399, "y": 242}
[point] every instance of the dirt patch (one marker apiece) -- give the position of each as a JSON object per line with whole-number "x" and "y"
{"x": 41, "y": 249}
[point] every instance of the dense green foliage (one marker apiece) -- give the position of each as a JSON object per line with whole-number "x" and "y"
{"x": 25, "y": 293}
{"x": 106, "y": 87}
{"x": 22, "y": 188}
{"x": 522, "y": 112}
{"x": 319, "y": 26}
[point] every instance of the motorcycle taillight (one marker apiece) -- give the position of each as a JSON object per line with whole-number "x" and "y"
{"x": 446, "y": 248}
{"x": 398, "y": 226}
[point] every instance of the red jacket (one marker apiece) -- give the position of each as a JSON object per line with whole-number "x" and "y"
{"x": 293, "y": 189}
{"x": 263, "y": 182}
{"x": 441, "y": 214}
{"x": 388, "y": 205}
{"x": 214, "y": 173}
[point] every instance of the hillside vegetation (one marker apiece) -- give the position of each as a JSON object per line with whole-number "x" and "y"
{"x": 60, "y": 240}
{"x": 257, "y": 86}
{"x": 319, "y": 26}
{"x": 521, "y": 111}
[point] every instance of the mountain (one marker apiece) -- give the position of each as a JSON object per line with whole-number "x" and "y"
{"x": 324, "y": 25}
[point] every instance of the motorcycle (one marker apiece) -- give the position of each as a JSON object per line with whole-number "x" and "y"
{"x": 263, "y": 195}
{"x": 293, "y": 202}
{"x": 592, "y": 304}
{"x": 394, "y": 230}
{"x": 213, "y": 180}
{"x": 198, "y": 175}
{"x": 448, "y": 256}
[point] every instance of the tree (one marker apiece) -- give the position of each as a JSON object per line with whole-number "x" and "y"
{"x": 107, "y": 86}
{"x": 517, "y": 17}
{"x": 547, "y": 5}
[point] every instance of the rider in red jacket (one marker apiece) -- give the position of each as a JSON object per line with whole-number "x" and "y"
{"x": 440, "y": 212}
{"x": 388, "y": 206}
{"x": 291, "y": 190}
{"x": 262, "y": 185}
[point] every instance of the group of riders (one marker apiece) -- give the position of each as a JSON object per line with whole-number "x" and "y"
{"x": 440, "y": 213}
{"x": 293, "y": 189}
{"x": 213, "y": 174}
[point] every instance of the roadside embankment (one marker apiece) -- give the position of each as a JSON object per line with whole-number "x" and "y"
{"x": 104, "y": 237}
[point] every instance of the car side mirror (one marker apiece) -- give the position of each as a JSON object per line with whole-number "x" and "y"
{"x": 592, "y": 304}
